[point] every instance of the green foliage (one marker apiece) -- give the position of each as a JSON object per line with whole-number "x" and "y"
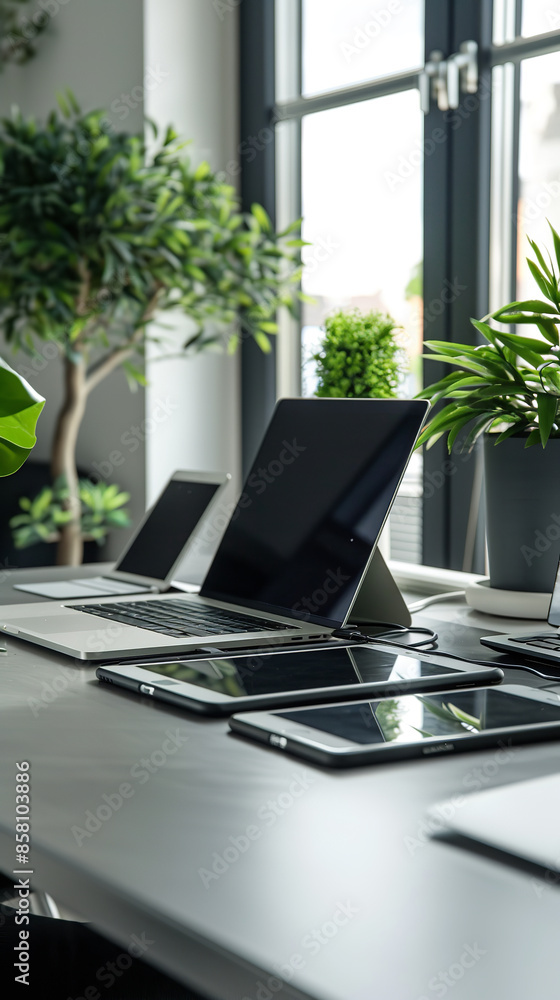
{"x": 98, "y": 232}
{"x": 509, "y": 384}
{"x": 452, "y": 715}
{"x": 415, "y": 284}
{"x": 43, "y": 517}
{"x": 20, "y": 24}
{"x": 359, "y": 356}
{"x": 20, "y": 407}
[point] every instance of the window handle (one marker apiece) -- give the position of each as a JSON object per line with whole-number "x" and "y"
{"x": 443, "y": 80}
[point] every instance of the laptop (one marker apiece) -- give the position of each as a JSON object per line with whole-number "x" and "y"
{"x": 154, "y": 552}
{"x": 292, "y": 558}
{"x": 535, "y": 643}
{"x": 519, "y": 820}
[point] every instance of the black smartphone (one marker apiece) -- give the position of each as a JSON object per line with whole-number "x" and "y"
{"x": 226, "y": 684}
{"x": 411, "y": 725}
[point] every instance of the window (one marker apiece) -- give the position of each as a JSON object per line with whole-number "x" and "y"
{"x": 422, "y": 213}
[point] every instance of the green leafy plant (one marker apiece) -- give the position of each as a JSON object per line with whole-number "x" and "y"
{"x": 44, "y": 517}
{"x": 359, "y": 356}
{"x": 18, "y": 32}
{"x": 99, "y": 234}
{"x": 509, "y": 384}
{"x": 20, "y": 407}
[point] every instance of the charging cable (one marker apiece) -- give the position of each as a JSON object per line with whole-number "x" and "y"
{"x": 354, "y": 635}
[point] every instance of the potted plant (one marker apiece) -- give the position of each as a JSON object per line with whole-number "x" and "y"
{"x": 99, "y": 235}
{"x": 507, "y": 391}
{"x": 358, "y": 356}
{"x": 20, "y": 407}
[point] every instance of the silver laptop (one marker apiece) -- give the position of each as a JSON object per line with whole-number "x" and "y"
{"x": 536, "y": 643}
{"x": 292, "y": 559}
{"x": 520, "y": 820}
{"x": 154, "y": 552}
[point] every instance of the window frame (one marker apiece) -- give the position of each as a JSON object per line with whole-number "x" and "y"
{"x": 457, "y": 203}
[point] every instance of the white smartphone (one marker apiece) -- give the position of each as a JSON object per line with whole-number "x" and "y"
{"x": 413, "y": 725}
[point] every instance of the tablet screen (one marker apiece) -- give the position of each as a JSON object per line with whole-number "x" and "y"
{"x": 260, "y": 674}
{"x": 415, "y": 718}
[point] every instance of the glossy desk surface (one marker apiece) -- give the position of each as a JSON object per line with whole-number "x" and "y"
{"x": 239, "y": 864}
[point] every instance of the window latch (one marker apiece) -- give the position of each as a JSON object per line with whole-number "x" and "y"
{"x": 443, "y": 80}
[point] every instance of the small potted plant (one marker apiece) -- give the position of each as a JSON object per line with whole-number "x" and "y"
{"x": 358, "y": 356}
{"x": 506, "y": 390}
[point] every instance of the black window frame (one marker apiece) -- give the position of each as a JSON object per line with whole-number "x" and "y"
{"x": 457, "y": 194}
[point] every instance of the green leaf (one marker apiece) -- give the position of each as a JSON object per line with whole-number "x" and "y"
{"x": 485, "y": 330}
{"x": 63, "y": 104}
{"x": 546, "y": 408}
{"x": 528, "y": 305}
{"x": 541, "y": 260}
{"x": 20, "y": 407}
{"x": 135, "y": 373}
{"x": 534, "y": 438}
{"x": 544, "y": 285}
{"x": 263, "y": 341}
{"x": 526, "y": 348}
{"x": 261, "y": 217}
{"x": 468, "y": 720}
{"x": 556, "y": 240}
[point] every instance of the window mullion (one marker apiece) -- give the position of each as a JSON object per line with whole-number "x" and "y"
{"x": 455, "y": 278}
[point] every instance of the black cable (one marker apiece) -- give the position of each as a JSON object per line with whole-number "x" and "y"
{"x": 357, "y": 636}
{"x": 496, "y": 663}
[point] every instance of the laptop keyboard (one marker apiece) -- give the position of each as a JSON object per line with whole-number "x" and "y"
{"x": 180, "y": 618}
{"x": 542, "y": 641}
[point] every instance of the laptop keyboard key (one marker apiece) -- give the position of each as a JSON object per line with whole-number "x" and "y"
{"x": 179, "y": 618}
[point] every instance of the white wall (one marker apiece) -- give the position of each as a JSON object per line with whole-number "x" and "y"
{"x": 196, "y": 45}
{"x": 96, "y": 49}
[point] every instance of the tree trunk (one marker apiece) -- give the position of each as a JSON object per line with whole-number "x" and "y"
{"x": 70, "y": 547}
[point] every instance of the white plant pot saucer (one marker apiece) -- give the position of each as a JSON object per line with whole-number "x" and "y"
{"x": 509, "y": 603}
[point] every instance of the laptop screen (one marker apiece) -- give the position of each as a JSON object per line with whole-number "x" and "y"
{"x": 313, "y": 505}
{"x": 167, "y": 529}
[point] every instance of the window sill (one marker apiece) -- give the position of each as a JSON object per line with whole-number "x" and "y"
{"x": 430, "y": 579}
